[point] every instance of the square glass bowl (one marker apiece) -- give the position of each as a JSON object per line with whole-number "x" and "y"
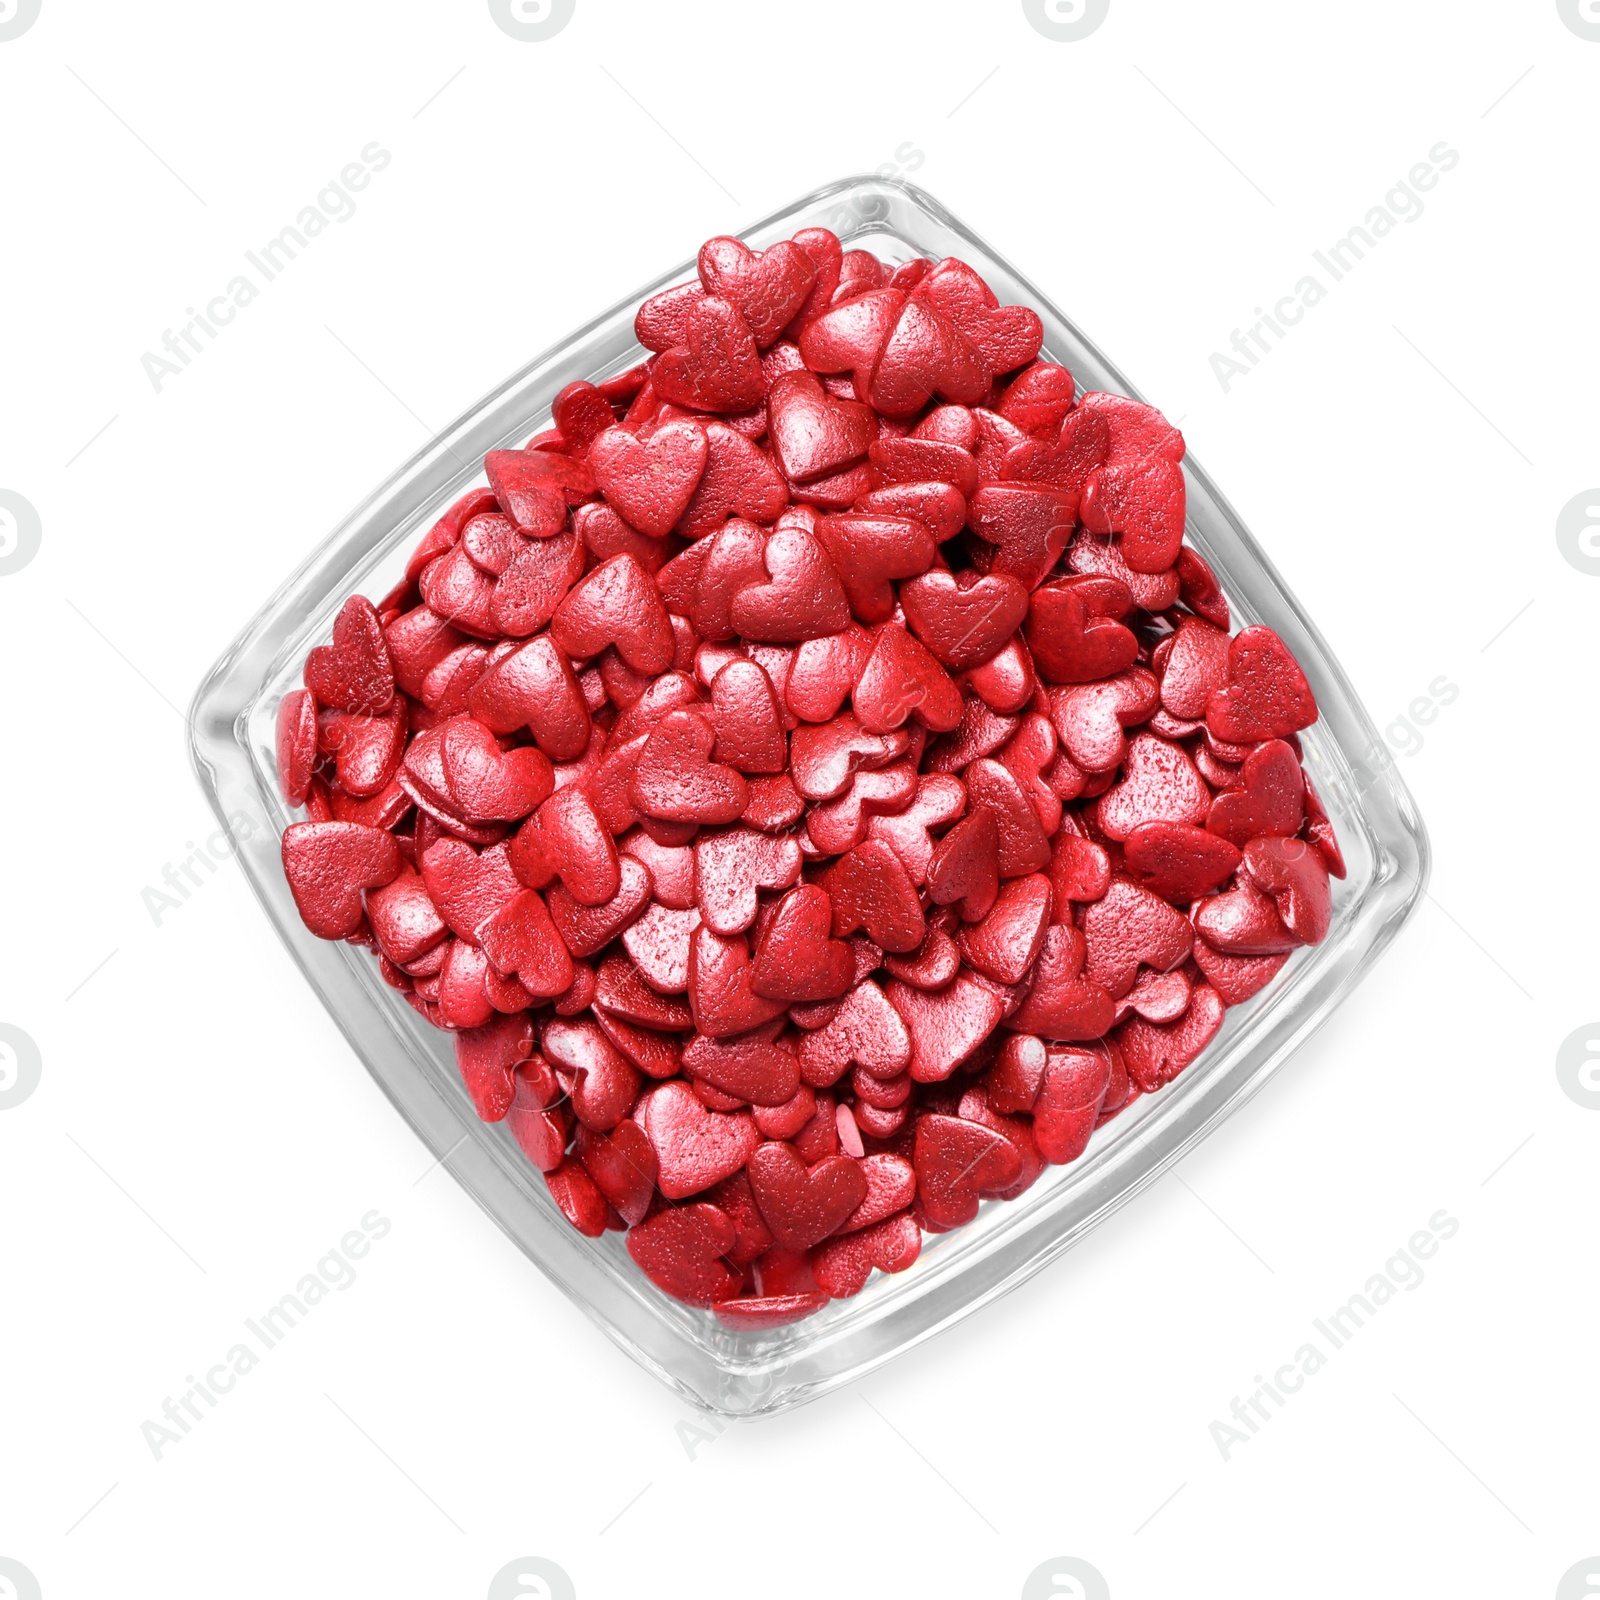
{"x": 745, "y": 1373}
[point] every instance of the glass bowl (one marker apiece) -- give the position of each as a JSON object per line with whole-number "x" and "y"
{"x": 751, "y": 1373}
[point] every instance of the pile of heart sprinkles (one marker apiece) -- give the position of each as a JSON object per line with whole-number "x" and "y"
{"x": 812, "y": 780}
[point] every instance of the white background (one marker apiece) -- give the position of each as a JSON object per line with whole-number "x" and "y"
{"x": 202, "y": 1135}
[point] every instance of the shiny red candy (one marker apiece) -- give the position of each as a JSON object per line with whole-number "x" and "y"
{"x": 813, "y": 781}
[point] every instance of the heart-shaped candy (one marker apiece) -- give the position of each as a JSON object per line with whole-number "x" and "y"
{"x": 865, "y": 1030}
{"x": 1155, "y": 1053}
{"x": 1038, "y": 399}
{"x": 1061, "y": 1003}
{"x": 623, "y": 1166}
{"x": 587, "y": 929}
{"x": 870, "y": 889}
{"x": 650, "y": 481}
{"x": 802, "y": 598}
{"x": 716, "y": 367}
{"x": 814, "y": 435}
{"x": 1270, "y": 798}
{"x": 1266, "y": 695}
{"x": 730, "y": 866}
{"x": 767, "y": 286}
{"x": 1071, "y": 1092}
{"x": 721, "y": 991}
{"x": 1128, "y": 926}
{"x": 519, "y": 938}
{"x": 870, "y": 552}
{"x": 964, "y": 869}
{"x": 1159, "y": 784}
{"x": 747, "y": 719}
{"x": 676, "y": 780}
{"x": 467, "y": 885}
{"x": 842, "y": 1265}
{"x": 694, "y": 1147}
{"x": 1196, "y": 666}
{"x": 796, "y": 959}
{"x": 616, "y": 604}
{"x": 1178, "y": 861}
{"x": 488, "y": 1057}
{"x": 954, "y": 1161}
{"x": 802, "y": 1205}
{"x": 946, "y": 1027}
{"x": 1008, "y": 939}
{"x": 354, "y": 673}
{"x": 486, "y": 783}
{"x": 1244, "y": 922}
{"x": 750, "y": 1069}
{"x": 1073, "y": 634}
{"x": 964, "y": 623}
{"x": 902, "y": 679}
{"x": 680, "y": 1251}
{"x": 1295, "y": 874}
{"x": 739, "y": 480}
{"x": 1002, "y": 337}
{"x": 328, "y": 864}
{"x": 1145, "y": 502}
{"x": 535, "y": 487}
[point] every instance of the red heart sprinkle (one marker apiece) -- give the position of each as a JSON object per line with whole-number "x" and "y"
{"x": 681, "y": 1250}
{"x": 768, "y": 286}
{"x": 716, "y": 367}
{"x": 694, "y": 1148}
{"x": 354, "y": 673}
{"x": 650, "y": 481}
{"x": 802, "y": 1205}
{"x": 1266, "y": 695}
{"x": 328, "y": 864}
